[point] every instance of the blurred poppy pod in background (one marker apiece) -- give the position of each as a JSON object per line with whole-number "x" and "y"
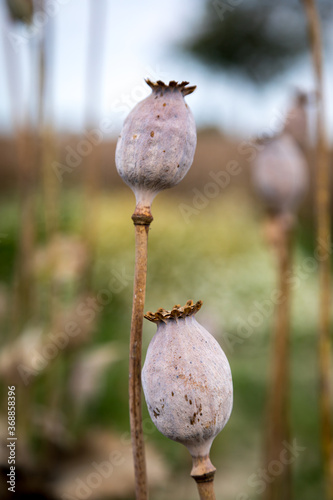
{"x": 280, "y": 175}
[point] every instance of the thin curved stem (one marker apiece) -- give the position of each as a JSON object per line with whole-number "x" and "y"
{"x": 141, "y": 241}
{"x": 324, "y": 244}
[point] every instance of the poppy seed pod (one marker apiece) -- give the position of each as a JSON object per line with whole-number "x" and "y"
{"x": 187, "y": 383}
{"x": 157, "y": 143}
{"x": 280, "y": 175}
{"x": 21, "y": 10}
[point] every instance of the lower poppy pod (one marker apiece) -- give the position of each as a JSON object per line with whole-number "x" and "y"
{"x": 187, "y": 380}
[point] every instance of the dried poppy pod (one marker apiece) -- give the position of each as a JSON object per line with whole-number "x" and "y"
{"x": 157, "y": 143}
{"x": 280, "y": 175}
{"x": 187, "y": 384}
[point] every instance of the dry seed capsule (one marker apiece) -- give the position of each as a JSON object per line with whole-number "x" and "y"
{"x": 157, "y": 143}
{"x": 187, "y": 383}
{"x": 280, "y": 174}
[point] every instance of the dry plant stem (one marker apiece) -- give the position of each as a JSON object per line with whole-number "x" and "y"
{"x": 47, "y": 143}
{"x": 278, "y": 402}
{"x": 324, "y": 242}
{"x": 206, "y": 490}
{"x": 25, "y": 282}
{"x": 92, "y": 163}
{"x": 50, "y": 182}
{"x": 24, "y": 145}
{"x": 203, "y": 473}
{"x": 142, "y": 220}
{"x": 92, "y": 167}
{"x": 44, "y": 160}
{"x": 25, "y": 285}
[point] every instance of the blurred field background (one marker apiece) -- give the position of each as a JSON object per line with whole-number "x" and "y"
{"x": 66, "y": 267}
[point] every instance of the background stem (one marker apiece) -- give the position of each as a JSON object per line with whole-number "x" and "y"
{"x": 278, "y": 424}
{"x": 92, "y": 163}
{"x": 324, "y": 245}
{"x": 141, "y": 241}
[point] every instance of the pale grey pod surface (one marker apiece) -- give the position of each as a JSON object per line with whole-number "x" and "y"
{"x": 157, "y": 143}
{"x": 187, "y": 384}
{"x": 280, "y": 174}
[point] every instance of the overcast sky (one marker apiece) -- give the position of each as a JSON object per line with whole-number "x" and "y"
{"x": 135, "y": 40}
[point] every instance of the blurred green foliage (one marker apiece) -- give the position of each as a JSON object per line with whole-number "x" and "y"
{"x": 220, "y": 257}
{"x": 258, "y": 39}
